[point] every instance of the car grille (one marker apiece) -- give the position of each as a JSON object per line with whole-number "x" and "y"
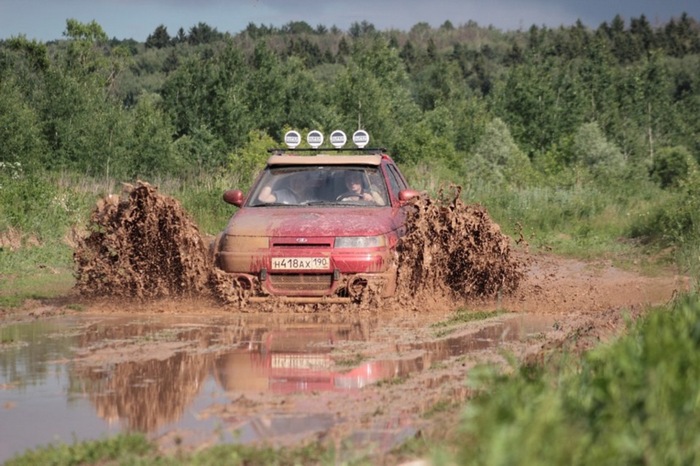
{"x": 301, "y": 282}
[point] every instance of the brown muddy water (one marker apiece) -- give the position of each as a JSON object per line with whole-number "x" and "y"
{"x": 200, "y": 380}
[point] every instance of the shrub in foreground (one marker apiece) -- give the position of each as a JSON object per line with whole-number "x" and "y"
{"x": 631, "y": 402}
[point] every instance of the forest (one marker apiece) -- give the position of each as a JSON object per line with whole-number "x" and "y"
{"x": 602, "y": 115}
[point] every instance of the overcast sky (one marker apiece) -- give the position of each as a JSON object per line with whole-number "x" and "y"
{"x": 45, "y": 20}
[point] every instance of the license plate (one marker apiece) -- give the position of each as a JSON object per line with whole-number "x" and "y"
{"x": 301, "y": 263}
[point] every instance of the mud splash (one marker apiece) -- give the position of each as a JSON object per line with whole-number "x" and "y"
{"x": 144, "y": 245}
{"x": 454, "y": 250}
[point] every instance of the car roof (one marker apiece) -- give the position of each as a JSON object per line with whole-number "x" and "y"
{"x": 322, "y": 159}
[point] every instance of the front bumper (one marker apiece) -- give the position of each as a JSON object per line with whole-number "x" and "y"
{"x": 351, "y": 274}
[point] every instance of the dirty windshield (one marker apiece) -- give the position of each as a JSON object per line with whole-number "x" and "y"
{"x": 314, "y": 186}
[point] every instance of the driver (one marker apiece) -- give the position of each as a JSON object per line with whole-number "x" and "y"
{"x": 356, "y": 192}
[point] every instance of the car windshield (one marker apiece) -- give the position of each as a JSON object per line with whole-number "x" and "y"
{"x": 320, "y": 185}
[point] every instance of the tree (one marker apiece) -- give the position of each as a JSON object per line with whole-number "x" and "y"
{"x": 151, "y": 148}
{"x": 297, "y": 27}
{"x": 343, "y": 50}
{"x": 372, "y": 92}
{"x": 247, "y": 161}
{"x": 497, "y": 158}
{"x": 35, "y": 52}
{"x": 438, "y": 83}
{"x": 362, "y": 29}
{"x": 541, "y": 101}
{"x": 592, "y": 150}
{"x": 447, "y": 26}
{"x": 643, "y": 34}
{"x": 202, "y": 33}
{"x": 209, "y": 97}
{"x": 159, "y": 38}
{"x": 180, "y": 38}
{"x": 20, "y": 130}
{"x": 171, "y": 62}
{"x": 84, "y": 49}
{"x": 302, "y": 104}
{"x": 24, "y": 65}
{"x": 266, "y": 90}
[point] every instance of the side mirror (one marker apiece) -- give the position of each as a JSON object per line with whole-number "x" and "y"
{"x": 408, "y": 194}
{"x": 235, "y": 197}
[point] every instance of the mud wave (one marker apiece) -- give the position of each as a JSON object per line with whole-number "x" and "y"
{"x": 141, "y": 245}
{"x": 454, "y": 250}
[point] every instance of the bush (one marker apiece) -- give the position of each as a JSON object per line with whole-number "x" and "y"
{"x": 671, "y": 166}
{"x": 675, "y": 219}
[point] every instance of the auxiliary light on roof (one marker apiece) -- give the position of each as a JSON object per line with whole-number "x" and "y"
{"x": 338, "y": 139}
{"x": 360, "y": 138}
{"x": 315, "y": 139}
{"x": 292, "y": 139}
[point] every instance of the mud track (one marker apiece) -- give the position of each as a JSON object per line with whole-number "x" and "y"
{"x": 363, "y": 381}
{"x": 418, "y": 354}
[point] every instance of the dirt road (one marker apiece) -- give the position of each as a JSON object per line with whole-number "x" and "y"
{"x": 192, "y": 374}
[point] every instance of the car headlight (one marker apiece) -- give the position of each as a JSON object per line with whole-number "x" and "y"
{"x": 360, "y": 241}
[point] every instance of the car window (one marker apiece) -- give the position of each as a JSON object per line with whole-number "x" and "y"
{"x": 396, "y": 180}
{"x": 319, "y": 185}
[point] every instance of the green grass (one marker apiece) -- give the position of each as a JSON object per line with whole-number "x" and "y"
{"x": 135, "y": 449}
{"x": 124, "y": 448}
{"x": 462, "y": 316}
{"x": 35, "y": 272}
{"x": 634, "y": 401}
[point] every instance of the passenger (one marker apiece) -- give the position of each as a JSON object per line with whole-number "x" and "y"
{"x": 357, "y": 192}
{"x": 294, "y": 193}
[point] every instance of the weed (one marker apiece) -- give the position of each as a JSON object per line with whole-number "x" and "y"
{"x": 462, "y": 316}
{"x": 349, "y": 361}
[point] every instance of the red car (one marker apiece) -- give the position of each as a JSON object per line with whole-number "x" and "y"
{"x": 317, "y": 228}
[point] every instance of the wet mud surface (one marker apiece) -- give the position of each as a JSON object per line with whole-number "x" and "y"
{"x": 191, "y": 374}
{"x": 173, "y": 362}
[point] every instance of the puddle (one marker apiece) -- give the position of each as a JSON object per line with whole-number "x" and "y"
{"x": 198, "y": 380}
{"x": 513, "y": 328}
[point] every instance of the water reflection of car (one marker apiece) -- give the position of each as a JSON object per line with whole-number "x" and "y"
{"x": 304, "y": 232}
{"x": 297, "y": 360}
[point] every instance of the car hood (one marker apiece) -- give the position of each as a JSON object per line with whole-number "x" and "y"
{"x": 317, "y": 222}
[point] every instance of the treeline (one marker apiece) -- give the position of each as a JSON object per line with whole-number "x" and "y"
{"x": 545, "y": 104}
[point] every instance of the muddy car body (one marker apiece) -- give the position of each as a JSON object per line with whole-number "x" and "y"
{"x": 325, "y": 245}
